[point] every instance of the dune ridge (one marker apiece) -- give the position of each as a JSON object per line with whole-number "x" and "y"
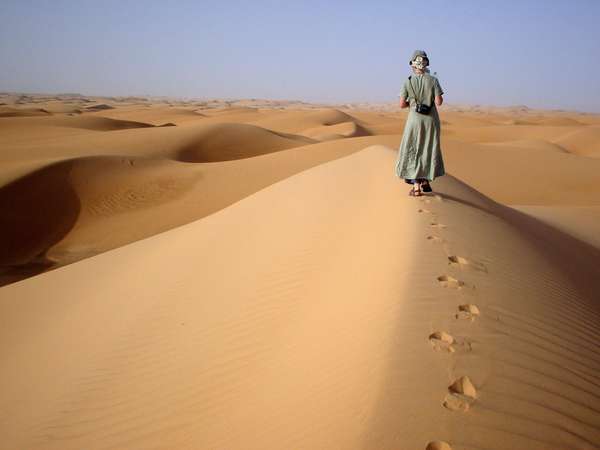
{"x": 65, "y": 121}
{"x": 6, "y": 111}
{"x": 585, "y": 142}
{"x": 151, "y": 114}
{"x": 227, "y": 141}
{"x": 337, "y": 131}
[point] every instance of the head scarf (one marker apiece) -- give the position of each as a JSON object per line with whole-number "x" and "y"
{"x": 419, "y": 60}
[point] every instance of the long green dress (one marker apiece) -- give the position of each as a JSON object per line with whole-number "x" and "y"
{"x": 420, "y": 155}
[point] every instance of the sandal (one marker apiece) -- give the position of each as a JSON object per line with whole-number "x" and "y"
{"x": 415, "y": 192}
{"x": 426, "y": 186}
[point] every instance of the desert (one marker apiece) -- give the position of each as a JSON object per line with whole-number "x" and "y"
{"x": 251, "y": 274}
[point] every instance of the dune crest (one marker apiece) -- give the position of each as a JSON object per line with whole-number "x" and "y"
{"x": 155, "y": 115}
{"x": 6, "y": 111}
{"x": 338, "y": 131}
{"x": 100, "y": 107}
{"x": 584, "y": 142}
{"x": 297, "y": 121}
{"x": 226, "y": 141}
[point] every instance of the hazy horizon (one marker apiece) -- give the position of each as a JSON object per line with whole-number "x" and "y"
{"x": 529, "y": 53}
{"x": 282, "y": 99}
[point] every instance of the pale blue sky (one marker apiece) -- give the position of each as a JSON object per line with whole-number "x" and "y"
{"x": 538, "y": 53}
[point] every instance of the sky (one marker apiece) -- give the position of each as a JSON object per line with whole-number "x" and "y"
{"x": 543, "y": 54}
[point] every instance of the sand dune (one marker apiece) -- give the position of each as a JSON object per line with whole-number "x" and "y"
{"x": 517, "y": 122}
{"x": 580, "y": 222}
{"x": 99, "y": 107}
{"x": 256, "y": 340}
{"x": 584, "y": 142}
{"x": 6, "y": 111}
{"x": 235, "y": 111}
{"x": 42, "y": 209}
{"x": 381, "y": 123}
{"x": 198, "y": 142}
{"x": 23, "y": 134}
{"x": 525, "y": 144}
{"x": 109, "y": 201}
{"x": 532, "y": 176}
{"x": 72, "y": 193}
{"x": 64, "y": 121}
{"x": 56, "y": 106}
{"x": 469, "y": 120}
{"x": 228, "y": 141}
{"x": 338, "y": 131}
{"x": 559, "y": 121}
{"x": 155, "y": 115}
{"x": 501, "y": 133}
{"x": 297, "y": 121}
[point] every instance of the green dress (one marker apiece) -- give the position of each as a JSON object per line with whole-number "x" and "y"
{"x": 420, "y": 155}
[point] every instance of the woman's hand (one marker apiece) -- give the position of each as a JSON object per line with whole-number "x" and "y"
{"x": 404, "y": 103}
{"x": 439, "y": 100}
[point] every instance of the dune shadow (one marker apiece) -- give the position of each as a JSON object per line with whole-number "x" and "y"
{"x": 38, "y": 210}
{"x": 578, "y": 260}
{"x": 583, "y": 267}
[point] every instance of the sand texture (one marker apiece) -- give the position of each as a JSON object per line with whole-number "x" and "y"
{"x": 252, "y": 275}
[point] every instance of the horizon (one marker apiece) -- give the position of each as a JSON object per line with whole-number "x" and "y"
{"x": 342, "y": 55}
{"x": 304, "y": 101}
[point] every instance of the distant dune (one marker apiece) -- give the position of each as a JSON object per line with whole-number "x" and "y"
{"x": 6, "y": 111}
{"x": 297, "y": 121}
{"x": 253, "y": 275}
{"x": 583, "y": 141}
{"x": 101, "y": 107}
{"x": 336, "y": 131}
{"x": 559, "y": 121}
{"x": 229, "y": 141}
{"x": 152, "y": 114}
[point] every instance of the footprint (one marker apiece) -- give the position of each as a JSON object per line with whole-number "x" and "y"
{"x": 461, "y": 395}
{"x": 442, "y": 341}
{"x": 439, "y": 198}
{"x": 463, "y": 386}
{"x": 437, "y": 225}
{"x": 451, "y": 282}
{"x": 423, "y": 210}
{"x": 459, "y": 261}
{"x": 435, "y": 239}
{"x": 467, "y": 312}
{"x": 438, "y": 445}
{"x": 455, "y": 402}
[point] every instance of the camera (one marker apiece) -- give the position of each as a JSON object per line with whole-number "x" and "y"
{"x": 423, "y": 108}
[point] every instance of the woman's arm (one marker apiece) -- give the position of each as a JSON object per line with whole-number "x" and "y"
{"x": 404, "y": 103}
{"x": 437, "y": 91}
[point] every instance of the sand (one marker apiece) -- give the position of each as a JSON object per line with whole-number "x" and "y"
{"x": 256, "y": 277}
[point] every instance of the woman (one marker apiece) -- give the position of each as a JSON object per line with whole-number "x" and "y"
{"x": 420, "y": 156}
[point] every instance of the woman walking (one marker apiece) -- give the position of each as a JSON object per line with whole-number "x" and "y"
{"x": 420, "y": 156}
